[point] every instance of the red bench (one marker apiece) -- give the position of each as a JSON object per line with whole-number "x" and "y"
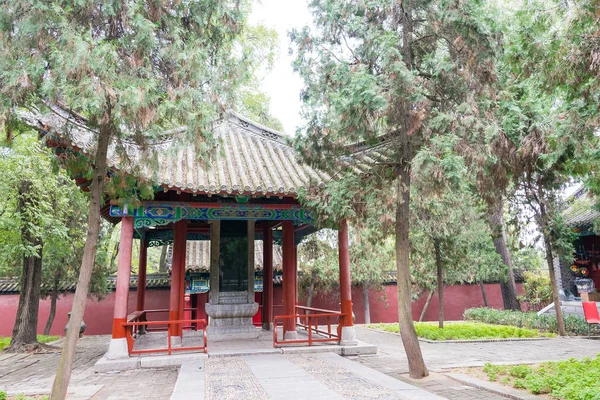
{"x": 590, "y": 310}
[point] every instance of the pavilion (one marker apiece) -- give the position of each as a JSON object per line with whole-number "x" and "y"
{"x": 247, "y": 192}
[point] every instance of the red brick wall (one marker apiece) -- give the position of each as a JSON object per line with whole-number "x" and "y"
{"x": 384, "y": 304}
{"x": 98, "y": 314}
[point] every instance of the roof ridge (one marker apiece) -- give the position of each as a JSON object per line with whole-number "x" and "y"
{"x": 256, "y": 128}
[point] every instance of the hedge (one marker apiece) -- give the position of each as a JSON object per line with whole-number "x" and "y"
{"x": 574, "y": 324}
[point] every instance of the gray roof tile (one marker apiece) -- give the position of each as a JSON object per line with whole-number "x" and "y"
{"x": 248, "y": 158}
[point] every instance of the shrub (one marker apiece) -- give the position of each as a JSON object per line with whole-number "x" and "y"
{"x": 3, "y": 395}
{"x": 574, "y": 324}
{"x": 569, "y": 380}
{"x": 538, "y": 290}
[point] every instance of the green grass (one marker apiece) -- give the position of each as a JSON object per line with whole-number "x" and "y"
{"x": 5, "y": 341}
{"x": 566, "y": 380}
{"x": 465, "y": 331}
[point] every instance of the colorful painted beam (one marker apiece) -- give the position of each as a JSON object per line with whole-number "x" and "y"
{"x": 162, "y": 213}
{"x": 155, "y": 238}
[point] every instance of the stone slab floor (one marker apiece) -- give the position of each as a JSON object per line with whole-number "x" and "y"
{"x": 383, "y": 376}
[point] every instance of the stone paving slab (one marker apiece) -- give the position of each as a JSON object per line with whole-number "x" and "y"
{"x": 492, "y": 387}
{"x": 331, "y": 374}
{"x": 282, "y": 379}
{"x": 399, "y": 387}
{"x": 450, "y": 389}
{"x": 34, "y": 374}
{"x": 391, "y": 359}
{"x": 190, "y": 381}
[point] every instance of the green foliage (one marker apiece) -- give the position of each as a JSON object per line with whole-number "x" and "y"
{"x": 5, "y": 341}
{"x": 3, "y": 395}
{"x": 568, "y": 380}
{"x": 445, "y": 210}
{"x": 464, "y": 331}
{"x": 537, "y": 288}
{"x": 574, "y": 324}
{"x": 494, "y": 370}
{"x": 132, "y": 70}
{"x": 370, "y": 261}
{"x": 527, "y": 259}
{"x": 21, "y": 396}
{"x": 57, "y": 217}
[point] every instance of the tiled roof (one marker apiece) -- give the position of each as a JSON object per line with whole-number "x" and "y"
{"x": 249, "y": 158}
{"x": 198, "y": 255}
{"x": 581, "y": 211}
{"x": 153, "y": 281}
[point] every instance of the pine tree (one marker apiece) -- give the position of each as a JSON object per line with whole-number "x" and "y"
{"x": 129, "y": 70}
{"x": 393, "y": 74}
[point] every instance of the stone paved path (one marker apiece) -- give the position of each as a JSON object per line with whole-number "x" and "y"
{"x": 260, "y": 377}
{"x": 34, "y": 374}
{"x": 391, "y": 359}
{"x": 323, "y": 376}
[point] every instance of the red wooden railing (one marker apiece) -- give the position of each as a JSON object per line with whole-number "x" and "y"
{"x": 164, "y": 327}
{"x": 138, "y": 319}
{"x": 308, "y": 318}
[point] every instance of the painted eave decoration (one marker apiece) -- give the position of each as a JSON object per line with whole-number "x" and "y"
{"x": 249, "y": 159}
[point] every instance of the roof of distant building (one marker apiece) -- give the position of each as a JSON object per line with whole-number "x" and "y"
{"x": 581, "y": 211}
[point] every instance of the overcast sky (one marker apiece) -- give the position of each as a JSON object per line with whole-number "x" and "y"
{"x": 282, "y": 84}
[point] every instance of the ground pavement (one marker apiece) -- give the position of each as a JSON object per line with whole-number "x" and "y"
{"x": 303, "y": 375}
{"x": 441, "y": 357}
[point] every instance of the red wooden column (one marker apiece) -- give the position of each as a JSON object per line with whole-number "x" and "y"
{"x": 296, "y": 273}
{"x": 267, "y": 299}
{"x": 177, "y": 276}
{"x": 141, "y": 289}
{"x": 289, "y": 281}
{"x": 123, "y": 276}
{"x": 347, "y": 329}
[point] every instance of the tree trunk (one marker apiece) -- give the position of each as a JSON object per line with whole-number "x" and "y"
{"x": 509, "y": 289}
{"x": 113, "y": 256}
{"x": 25, "y": 330}
{"x": 162, "y": 264}
{"x": 53, "y": 298}
{"x": 426, "y": 306}
{"x": 482, "y": 287}
{"x": 63, "y": 373}
{"x": 416, "y": 364}
{"x": 5, "y": 125}
{"x": 311, "y": 288}
{"x": 367, "y": 306}
{"x": 440, "y": 282}
{"x": 550, "y": 261}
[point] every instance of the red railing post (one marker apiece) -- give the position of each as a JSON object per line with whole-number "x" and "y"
{"x": 275, "y": 332}
{"x": 309, "y": 333}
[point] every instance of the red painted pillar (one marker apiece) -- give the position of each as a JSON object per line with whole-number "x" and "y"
{"x": 267, "y": 299}
{"x": 289, "y": 292}
{"x": 177, "y": 276}
{"x": 296, "y": 273}
{"x": 345, "y": 278}
{"x": 141, "y": 289}
{"x": 123, "y": 276}
{"x": 188, "y": 313}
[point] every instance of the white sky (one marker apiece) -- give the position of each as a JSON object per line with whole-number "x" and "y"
{"x": 282, "y": 84}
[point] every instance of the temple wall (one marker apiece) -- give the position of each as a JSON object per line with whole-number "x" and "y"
{"x": 98, "y": 314}
{"x": 384, "y": 304}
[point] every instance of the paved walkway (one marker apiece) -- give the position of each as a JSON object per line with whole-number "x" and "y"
{"x": 324, "y": 376}
{"x": 440, "y": 357}
{"x": 34, "y": 374}
{"x": 382, "y": 376}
